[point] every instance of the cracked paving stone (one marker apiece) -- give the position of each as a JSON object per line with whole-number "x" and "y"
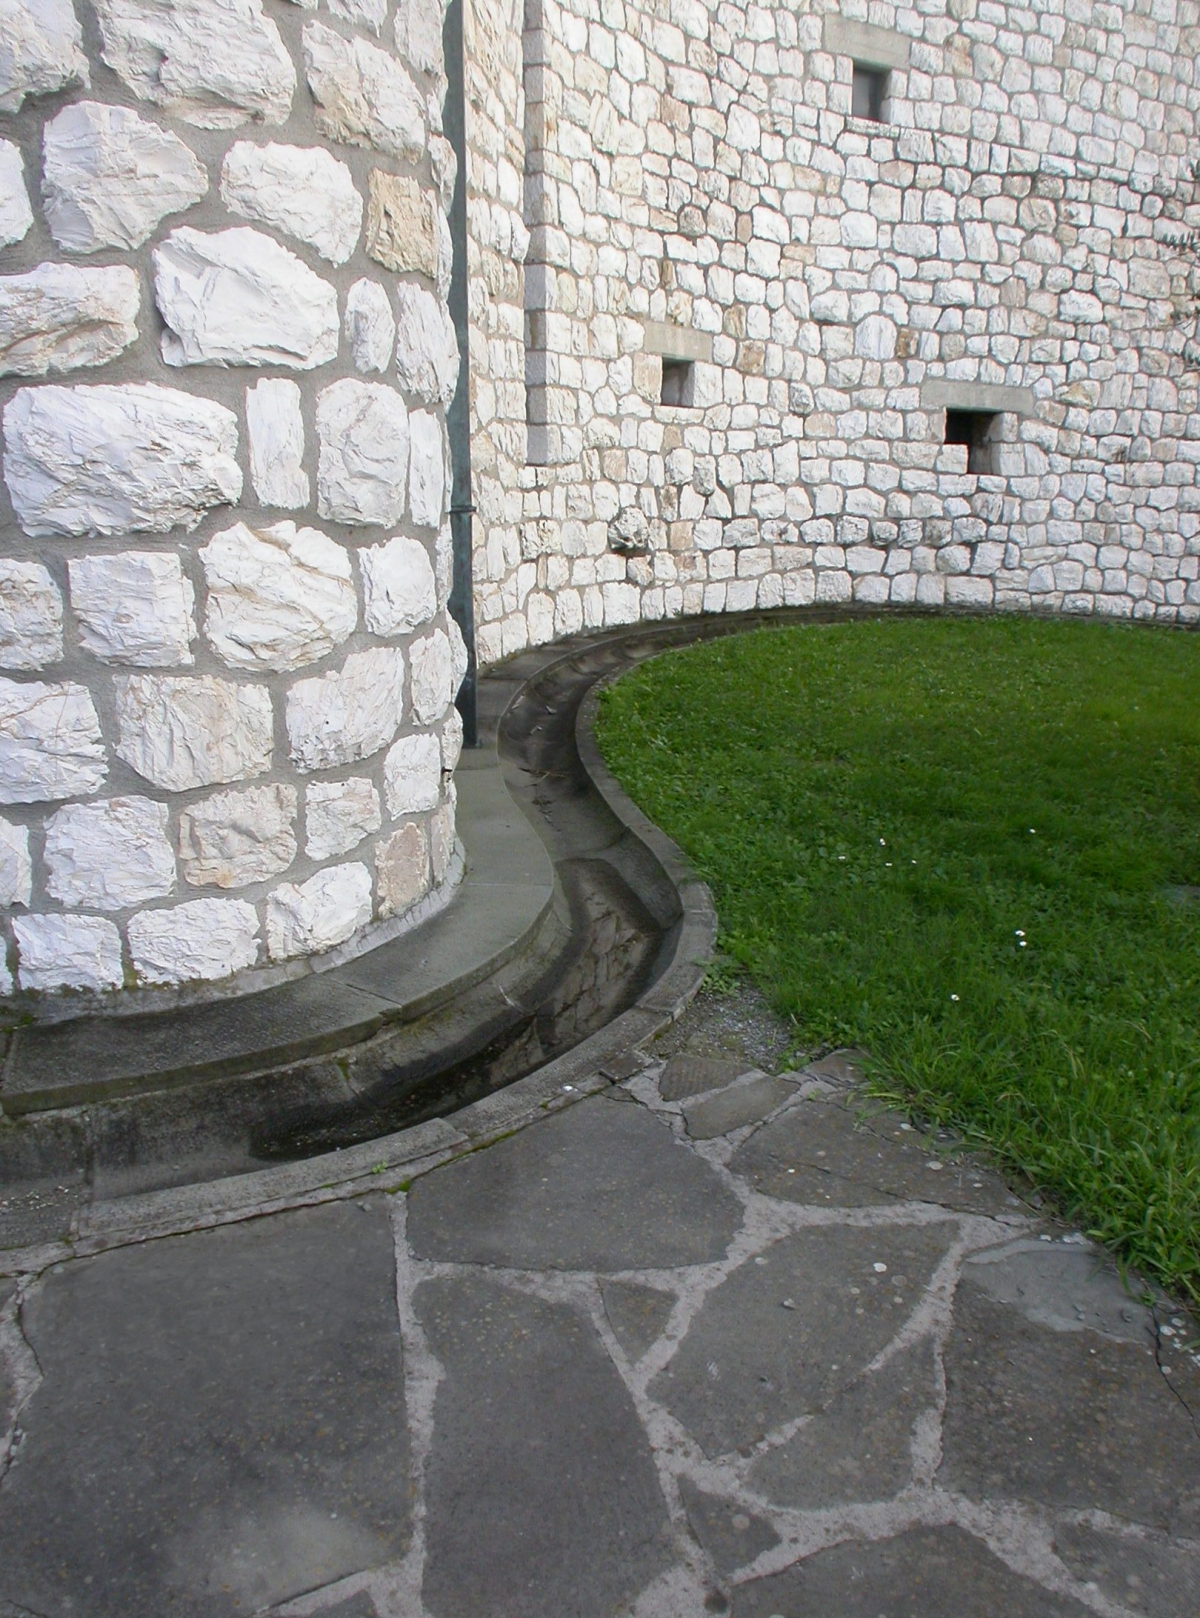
{"x": 1149, "y": 1575}
{"x": 637, "y": 1314}
{"x": 746, "y": 1101}
{"x": 1066, "y": 1288}
{"x": 1069, "y": 1419}
{"x": 731, "y": 1535}
{"x": 924, "y": 1573}
{"x": 831, "y": 1153}
{"x": 594, "y": 1187}
{"x": 860, "y": 1446}
{"x": 8, "y": 1391}
{"x": 543, "y": 1499}
{"x": 355, "y": 1606}
{"x": 220, "y": 1425}
{"x": 689, "y": 1075}
{"x": 748, "y": 1364}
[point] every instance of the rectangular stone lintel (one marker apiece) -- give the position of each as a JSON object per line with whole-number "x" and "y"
{"x": 676, "y": 342}
{"x": 937, "y": 393}
{"x": 863, "y": 42}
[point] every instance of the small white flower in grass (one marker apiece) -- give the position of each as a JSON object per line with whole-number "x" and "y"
{"x": 883, "y": 842}
{"x": 954, "y": 997}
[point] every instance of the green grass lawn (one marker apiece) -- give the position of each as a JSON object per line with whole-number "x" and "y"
{"x": 959, "y": 844}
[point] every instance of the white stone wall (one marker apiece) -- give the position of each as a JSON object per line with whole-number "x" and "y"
{"x": 695, "y": 163}
{"x": 226, "y": 667}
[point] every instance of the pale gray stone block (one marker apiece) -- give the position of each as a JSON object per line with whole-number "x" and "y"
{"x": 16, "y": 215}
{"x": 412, "y": 775}
{"x": 237, "y": 837}
{"x": 204, "y": 938}
{"x": 109, "y": 855}
{"x": 60, "y": 317}
{"x": 315, "y": 915}
{"x": 30, "y": 616}
{"x": 275, "y": 428}
{"x": 278, "y": 598}
{"x": 363, "y": 95}
{"x": 50, "y": 742}
{"x": 452, "y": 742}
{"x": 301, "y": 190}
{"x": 402, "y": 874}
{"x": 370, "y": 326}
{"x": 398, "y": 586}
{"x": 68, "y": 952}
{"x": 441, "y": 835}
{"x": 236, "y": 297}
{"x": 402, "y": 225}
{"x": 426, "y": 346}
{"x": 192, "y": 731}
{"x": 349, "y": 713}
{"x": 339, "y": 814}
{"x": 431, "y": 660}
{"x": 418, "y": 27}
{"x": 427, "y": 469}
{"x": 362, "y": 466}
{"x": 370, "y": 14}
{"x": 134, "y": 607}
{"x": 111, "y": 175}
{"x": 110, "y": 459}
{"x": 41, "y": 50}
{"x": 16, "y": 868}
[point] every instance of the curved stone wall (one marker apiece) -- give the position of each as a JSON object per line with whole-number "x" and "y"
{"x": 226, "y": 732}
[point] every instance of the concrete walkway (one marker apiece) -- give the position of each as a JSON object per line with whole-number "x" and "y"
{"x": 714, "y": 1339}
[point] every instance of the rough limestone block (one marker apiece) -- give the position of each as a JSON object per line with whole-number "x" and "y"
{"x": 426, "y": 347}
{"x": 41, "y": 49}
{"x": 108, "y": 459}
{"x": 348, "y": 713}
{"x": 50, "y": 743}
{"x": 362, "y": 13}
{"x": 181, "y": 732}
{"x": 401, "y": 224}
{"x": 458, "y": 648}
{"x": 412, "y": 775}
{"x": 452, "y": 742}
{"x": 301, "y": 190}
{"x": 30, "y": 616}
{"x": 362, "y": 467}
{"x": 236, "y": 297}
{"x": 278, "y": 598}
{"x": 238, "y": 837}
{"x": 275, "y": 428}
{"x": 339, "y": 814}
{"x": 370, "y": 326}
{"x": 315, "y": 915}
{"x": 364, "y": 97}
{"x": 418, "y": 28}
{"x": 432, "y": 663}
{"x": 427, "y": 469}
{"x": 59, "y": 317}
{"x": 16, "y": 868}
{"x": 402, "y": 875}
{"x": 398, "y": 585}
{"x": 68, "y": 952}
{"x": 16, "y": 215}
{"x": 109, "y": 855}
{"x": 134, "y": 607}
{"x": 213, "y": 63}
{"x": 111, "y": 175}
{"x": 205, "y": 938}
{"x": 441, "y": 836}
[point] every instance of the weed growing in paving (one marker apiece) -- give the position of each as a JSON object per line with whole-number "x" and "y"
{"x": 972, "y": 848}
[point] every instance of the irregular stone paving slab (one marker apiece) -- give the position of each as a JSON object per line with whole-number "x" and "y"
{"x": 829, "y": 1153}
{"x": 8, "y": 1387}
{"x": 1066, "y": 1288}
{"x": 860, "y": 1447}
{"x": 746, "y": 1101}
{"x": 749, "y": 1363}
{"x": 1067, "y": 1418}
{"x": 636, "y": 1313}
{"x": 596, "y": 1187}
{"x": 731, "y": 1535}
{"x": 220, "y": 1425}
{"x": 926, "y": 1573}
{"x": 689, "y": 1075}
{"x": 542, "y": 1498}
{"x": 356, "y": 1606}
{"x": 1147, "y": 1575}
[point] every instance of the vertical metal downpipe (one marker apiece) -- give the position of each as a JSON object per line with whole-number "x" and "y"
{"x": 458, "y": 413}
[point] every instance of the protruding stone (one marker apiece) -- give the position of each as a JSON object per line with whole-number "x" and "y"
{"x": 412, "y": 775}
{"x": 432, "y": 665}
{"x": 50, "y": 743}
{"x": 441, "y": 835}
{"x": 458, "y": 656}
{"x": 205, "y": 938}
{"x": 41, "y": 50}
{"x": 16, "y": 868}
{"x": 111, "y": 175}
{"x": 361, "y": 13}
{"x": 315, "y": 915}
{"x": 426, "y": 347}
{"x": 109, "y": 855}
{"x": 370, "y": 326}
{"x": 302, "y": 190}
{"x": 452, "y": 741}
{"x": 278, "y": 598}
{"x": 348, "y": 713}
{"x": 418, "y": 28}
{"x": 427, "y": 469}
{"x": 339, "y": 814}
{"x": 275, "y": 428}
{"x": 68, "y": 952}
{"x": 401, "y": 224}
{"x": 363, "y": 464}
{"x": 182, "y": 732}
{"x": 111, "y": 459}
{"x": 238, "y": 837}
{"x": 363, "y": 95}
{"x": 213, "y": 63}
{"x": 59, "y": 317}
{"x": 16, "y": 215}
{"x": 134, "y": 607}
{"x": 30, "y": 616}
{"x": 402, "y": 875}
{"x": 236, "y": 297}
{"x": 398, "y": 586}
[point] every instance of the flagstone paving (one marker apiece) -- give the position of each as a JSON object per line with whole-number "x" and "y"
{"x": 718, "y": 1339}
